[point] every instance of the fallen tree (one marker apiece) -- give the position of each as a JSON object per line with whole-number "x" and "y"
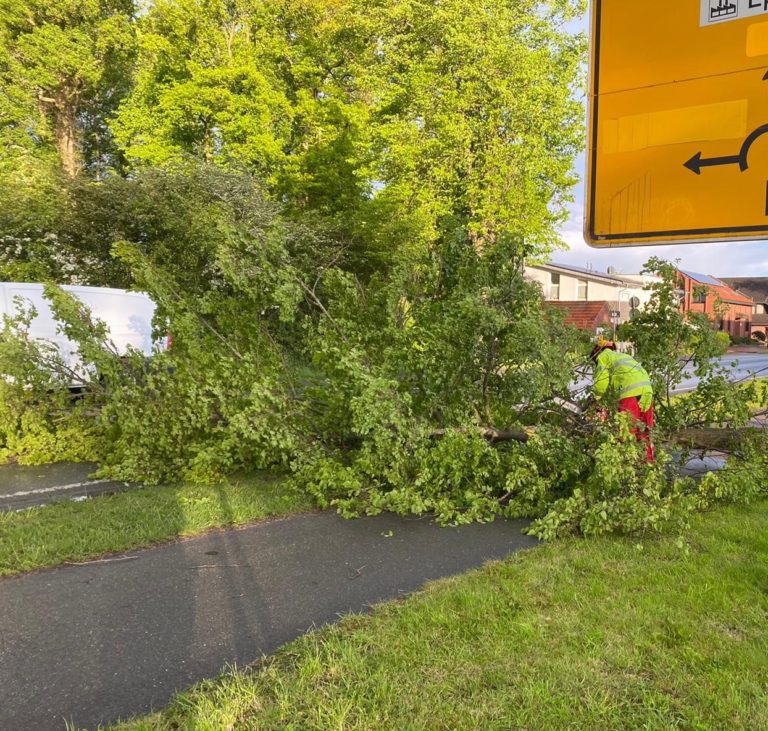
{"x": 717, "y": 439}
{"x": 724, "y": 439}
{"x": 442, "y": 385}
{"x": 379, "y": 401}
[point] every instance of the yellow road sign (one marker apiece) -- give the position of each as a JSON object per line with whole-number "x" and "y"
{"x": 678, "y": 122}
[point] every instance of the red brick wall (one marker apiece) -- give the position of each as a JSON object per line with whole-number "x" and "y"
{"x": 732, "y": 318}
{"x": 737, "y": 320}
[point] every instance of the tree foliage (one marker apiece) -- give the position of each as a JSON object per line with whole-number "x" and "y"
{"x": 64, "y": 67}
{"x": 436, "y": 387}
{"x": 390, "y": 124}
{"x": 394, "y": 120}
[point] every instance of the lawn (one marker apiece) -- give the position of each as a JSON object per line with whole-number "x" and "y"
{"x": 70, "y": 531}
{"x": 577, "y": 634}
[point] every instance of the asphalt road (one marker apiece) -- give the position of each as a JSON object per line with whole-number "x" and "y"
{"x": 748, "y": 365}
{"x": 24, "y": 487}
{"x": 106, "y": 640}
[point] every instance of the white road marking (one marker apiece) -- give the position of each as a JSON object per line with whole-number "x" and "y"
{"x": 59, "y": 488}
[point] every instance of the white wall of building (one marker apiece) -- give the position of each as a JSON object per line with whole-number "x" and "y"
{"x": 575, "y": 287}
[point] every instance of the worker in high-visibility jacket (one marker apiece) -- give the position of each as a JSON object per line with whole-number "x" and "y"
{"x": 621, "y": 375}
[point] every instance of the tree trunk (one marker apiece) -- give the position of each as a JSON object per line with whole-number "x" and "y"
{"x": 718, "y": 440}
{"x": 65, "y": 131}
{"x": 63, "y": 109}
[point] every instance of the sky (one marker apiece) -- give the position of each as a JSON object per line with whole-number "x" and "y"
{"x": 732, "y": 259}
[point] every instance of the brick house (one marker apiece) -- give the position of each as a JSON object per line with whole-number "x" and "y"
{"x": 757, "y": 289}
{"x": 729, "y": 310}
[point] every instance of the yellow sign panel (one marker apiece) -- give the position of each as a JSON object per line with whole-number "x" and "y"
{"x": 678, "y": 122}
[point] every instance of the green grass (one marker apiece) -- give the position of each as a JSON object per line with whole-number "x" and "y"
{"x": 68, "y": 531}
{"x": 578, "y": 634}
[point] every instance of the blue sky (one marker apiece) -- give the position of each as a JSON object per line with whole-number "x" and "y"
{"x": 733, "y": 259}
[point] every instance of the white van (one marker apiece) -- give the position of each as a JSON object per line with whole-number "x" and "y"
{"x": 128, "y": 315}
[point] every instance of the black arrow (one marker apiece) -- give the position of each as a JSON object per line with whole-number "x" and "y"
{"x": 697, "y": 162}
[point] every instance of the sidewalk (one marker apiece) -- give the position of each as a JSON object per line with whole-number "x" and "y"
{"x": 742, "y": 349}
{"x": 106, "y": 640}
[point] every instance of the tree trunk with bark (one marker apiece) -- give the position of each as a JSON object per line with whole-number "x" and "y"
{"x": 709, "y": 439}
{"x": 65, "y": 129}
{"x": 63, "y": 110}
{"x": 715, "y": 440}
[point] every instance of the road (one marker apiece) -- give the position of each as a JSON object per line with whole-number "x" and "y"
{"x": 106, "y": 640}
{"x": 748, "y": 365}
{"x": 24, "y": 487}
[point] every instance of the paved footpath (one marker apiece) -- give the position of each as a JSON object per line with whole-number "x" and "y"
{"x": 97, "y": 642}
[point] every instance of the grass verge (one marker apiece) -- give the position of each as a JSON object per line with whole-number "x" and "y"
{"x": 68, "y": 531}
{"x": 577, "y": 634}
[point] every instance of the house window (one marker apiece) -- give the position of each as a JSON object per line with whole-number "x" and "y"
{"x": 699, "y": 295}
{"x": 583, "y": 290}
{"x": 554, "y": 286}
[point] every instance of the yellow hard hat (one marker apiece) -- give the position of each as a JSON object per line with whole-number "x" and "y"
{"x": 602, "y": 344}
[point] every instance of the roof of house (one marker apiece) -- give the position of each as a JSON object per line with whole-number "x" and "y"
{"x": 703, "y": 278}
{"x": 584, "y": 315}
{"x": 760, "y": 320}
{"x": 590, "y": 273}
{"x": 723, "y": 290}
{"x": 754, "y": 287}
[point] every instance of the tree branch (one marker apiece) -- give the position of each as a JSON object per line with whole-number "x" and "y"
{"x": 489, "y": 433}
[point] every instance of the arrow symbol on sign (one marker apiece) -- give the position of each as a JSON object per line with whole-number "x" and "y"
{"x": 697, "y": 162}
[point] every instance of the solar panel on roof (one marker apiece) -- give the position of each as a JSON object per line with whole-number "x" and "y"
{"x": 703, "y": 278}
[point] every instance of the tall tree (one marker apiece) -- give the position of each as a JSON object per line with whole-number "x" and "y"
{"x": 396, "y": 119}
{"x": 207, "y": 85}
{"x": 64, "y": 68}
{"x": 477, "y": 118}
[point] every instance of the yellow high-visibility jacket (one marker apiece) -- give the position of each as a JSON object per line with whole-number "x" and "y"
{"x": 624, "y": 376}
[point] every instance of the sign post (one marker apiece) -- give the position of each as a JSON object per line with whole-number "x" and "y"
{"x": 678, "y": 122}
{"x": 615, "y": 319}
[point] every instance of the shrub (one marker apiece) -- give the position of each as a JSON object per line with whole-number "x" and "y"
{"x": 40, "y": 420}
{"x": 723, "y": 341}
